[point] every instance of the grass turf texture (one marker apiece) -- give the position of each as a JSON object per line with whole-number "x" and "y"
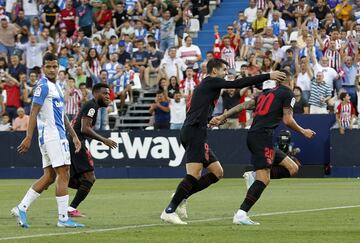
{"x": 120, "y": 204}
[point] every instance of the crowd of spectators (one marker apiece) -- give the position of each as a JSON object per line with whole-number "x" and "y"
{"x": 122, "y": 42}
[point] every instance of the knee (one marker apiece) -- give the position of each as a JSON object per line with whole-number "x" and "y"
{"x": 90, "y": 177}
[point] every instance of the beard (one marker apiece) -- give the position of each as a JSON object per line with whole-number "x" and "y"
{"x": 102, "y": 103}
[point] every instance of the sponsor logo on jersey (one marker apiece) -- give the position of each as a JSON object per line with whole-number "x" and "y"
{"x": 292, "y": 103}
{"x": 59, "y": 103}
{"x": 149, "y": 147}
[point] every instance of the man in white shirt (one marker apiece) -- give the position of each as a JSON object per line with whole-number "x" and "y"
{"x": 177, "y": 111}
{"x": 330, "y": 75}
{"x": 33, "y": 52}
{"x": 172, "y": 65}
{"x": 250, "y": 12}
{"x": 190, "y": 53}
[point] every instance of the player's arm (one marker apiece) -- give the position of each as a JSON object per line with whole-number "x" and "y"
{"x": 72, "y": 133}
{"x": 290, "y": 122}
{"x": 26, "y": 143}
{"x": 218, "y": 120}
{"x": 86, "y": 128}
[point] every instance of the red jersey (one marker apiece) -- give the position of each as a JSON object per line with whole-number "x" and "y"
{"x": 345, "y": 111}
{"x": 12, "y": 95}
{"x": 106, "y": 17}
{"x": 68, "y": 18}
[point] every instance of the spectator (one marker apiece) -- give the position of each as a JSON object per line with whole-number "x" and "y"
{"x": 93, "y": 62}
{"x": 124, "y": 56}
{"x": 320, "y": 94}
{"x": 31, "y": 10}
{"x": 344, "y": 13}
{"x": 231, "y": 98}
{"x": 21, "y": 122}
{"x": 200, "y": 8}
{"x": 111, "y": 67}
{"x": 260, "y": 23}
{"x": 127, "y": 29}
{"x": 312, "y": 22}
{"x": 177, "y": 111}
{"x": 301, "y": 106}
{"x": 36, "y": 28}
{"x": 321, "y": 9}
{"x": 250, "y": 12}
{"x": 5, "y": 123}
{"x": 16, "y": 67}
{"x": 268, "y": 38}
{"x": 330, "y": 75}
{"x": 188, "y": 84}
{"x": 72, "y": 98}
{"x": 140, "y": 60}
{"x": 140, "y": 31}
{"x": 161, "y": 111}
{"x": 172, "y": 65}
{"x": 287, "y": 11}
{"x": 173, "y": 87}
{"x": 190, "y": 53}
{"x": 330, "y": 23}
{"x": 153, "y": 63}
{"x": 27, "y": 89}
{"x": 50, "y": 16}
{"x": 119, "y": 16}
{"x": 12, "y": 88}
{"x": 33, "y": 52}
{"x": 348, "y": 81}
{"x": 203, "y": 72}
{"x": 228, "y": 53}
{"x": 80, "y": 77}
{"x": 103, "y": 16}
{"x": 310, "y": 49}
{"x": 277, "y": 24}
{"x": 289, "y": 61}
{"x": 258, "y": 50}
{"x": 301, "y": 11}
{"x": 67, "y": 18}
{"x": 248, "y": 42}
{"x": 24, "y": 25}
{"x": 241, "y": 24}
{"x": 45, "y": 37}
{"x": 85, "y": 93}
{"x": 7, "y": 40}
{"x": 304, "y": 75}
{"x": 122, "y": 84}
{"x": 84, "y": 17}
{"x": 167, "y": 28}
{"x": 345, "y": 113}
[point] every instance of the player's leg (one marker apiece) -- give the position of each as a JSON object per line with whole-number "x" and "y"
{"x": 290, "y": 166}
{"x": 35, "y": 190}
{"x": 86, "y": 181}
{"x": 261, "y": 147}
{"x": 59, "y": 155}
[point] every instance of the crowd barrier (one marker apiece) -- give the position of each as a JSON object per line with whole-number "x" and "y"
{"x": 160, "y": 154}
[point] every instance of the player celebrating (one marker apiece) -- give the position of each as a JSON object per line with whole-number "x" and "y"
{"x": 270, "y": 108}
{"x": 193, "y": 135}
{"x": 48, "y": 113}
{"x": 82, "y": 176}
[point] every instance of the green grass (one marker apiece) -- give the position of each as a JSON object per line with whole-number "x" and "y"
{"x": 122, "y": 203}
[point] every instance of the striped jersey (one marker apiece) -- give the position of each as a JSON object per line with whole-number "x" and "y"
{"x": 121, "y": 83}
{"x": 111, "y": 68}
{"x": 334, "y": 59}
{"x": 228, "y": 54}
{"x": 50, "y": 120}
{"x": 345, "y": 112}
{"x": 72, "y": 105}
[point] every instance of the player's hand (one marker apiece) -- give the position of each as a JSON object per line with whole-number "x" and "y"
{"x": 277, "y": 75}
{"x": 24, "y": 146}
{"x": 110, "y": 143}
{"x": 77, "y": 144}
{"x": 217, "y": 120}
{"x": 308, "y": 133}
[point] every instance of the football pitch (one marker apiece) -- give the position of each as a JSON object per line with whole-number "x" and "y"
{"x": 119, "y": 210}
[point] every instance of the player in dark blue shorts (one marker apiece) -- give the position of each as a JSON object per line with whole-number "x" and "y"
{"x": 82, "y": 176}
{"x": 271, "y": 107}
{"x": 193, "y": 135}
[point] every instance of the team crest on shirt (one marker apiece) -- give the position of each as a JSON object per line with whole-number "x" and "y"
{"x": 37, "y": 91}
{"x": 91, "y": 112}
{"x": 292, "y": 103}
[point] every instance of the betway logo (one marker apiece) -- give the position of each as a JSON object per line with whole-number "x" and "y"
{"x": 146, "y": 147}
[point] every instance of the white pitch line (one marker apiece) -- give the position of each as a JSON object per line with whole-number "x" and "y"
{"x": 127, "y": 227}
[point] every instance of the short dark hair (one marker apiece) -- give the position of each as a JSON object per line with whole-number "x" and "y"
{"x": 343, "y": 95}
{"x": 289, "y": 50}
{"x": 82, "y": 84}
{"x": 98, "y": 86}
{"x": 159, "y": 92}
{"x": 49, "y": 57}
{"x": 298, "y": 88}
{"x": 187, "y": 37}
{"x": 152, "y": 44}
{"x": 104, "y": 70}
{"x": 215, "y": 63}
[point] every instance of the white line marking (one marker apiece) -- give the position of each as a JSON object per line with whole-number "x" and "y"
{"x": 127, "y": 227}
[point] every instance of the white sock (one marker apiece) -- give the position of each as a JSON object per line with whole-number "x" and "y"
{"x": 28, "y": 199}
{"x": 70, "y": 209}
{"x": 63, "y": 203}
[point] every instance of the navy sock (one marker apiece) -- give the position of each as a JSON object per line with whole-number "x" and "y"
{"x": 81, "y": 193}
{"x": 183, "y": 190}
{"x": 253, "y": 194}
{"x": 204, "y": 182}
{"x": 278, "y": 172}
